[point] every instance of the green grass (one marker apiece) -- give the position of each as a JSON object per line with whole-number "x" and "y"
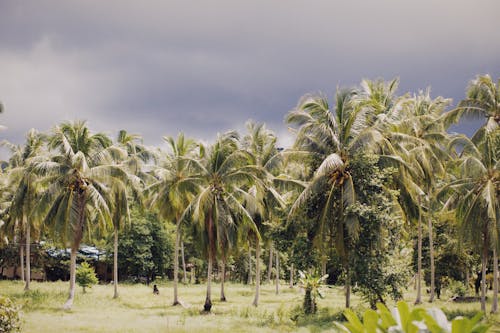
{"x": 138, "y": 310}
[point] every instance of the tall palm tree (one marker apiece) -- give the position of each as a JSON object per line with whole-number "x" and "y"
{"x": 136, "y": 156}
{"x": 332, "y": 135}
{"x": 173, "y": 188}
{"x": 25, "y": 192}
{"x": 217, "y": 210}
{"x": 78, "y": 179}
{"x": 477, "y": 190}
{"x": 419, "y": 136}
{"x": 261, "y": 143}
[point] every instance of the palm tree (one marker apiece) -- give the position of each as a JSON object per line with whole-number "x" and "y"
{"x": 477, "y": 189}
{"x": 420, "y": 139}
{"x": 216, "y": 210}
{"x": 136, "y": 155}
{"x": 264, "y": 198}
{"x": 78, "y": 181}
{"x": 332, "y": 135}
{"x": 483, "y": 99}
{"x": 25, "y": 193}
{"x": 173, "y": 188}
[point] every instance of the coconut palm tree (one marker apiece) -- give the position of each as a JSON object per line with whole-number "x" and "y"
{"x": 477, "y": 190}
{"x": 419, "y": 137}
{"x": 173, "y": 188}
{"x": 332, "y": 135}
{"x": 483, "y": 100}
{"x": 217, "y": 211}
{"x": 136, "y": 156}
{"x": 78, "y": 180}
{"x": 25, "y": 193}
{"x": 264, "y": 198}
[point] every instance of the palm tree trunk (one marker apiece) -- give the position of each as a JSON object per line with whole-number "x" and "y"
{"x": 176, "y": 262}
{"x": 257, "y": 272}
{"x": 78, "y": 235}
{"x": 184, "y": 278}
{"x": 21, "y": 256}
{"x": 277, "y": 273}
{"x": 467, "y": 278}
{"x": 419, "y": 260}
{"x": 270, "y": 265}
{"x": 115, "y": 263}
{"x": 249, "y": 278}
{"x": 208, "y": 299}
{"x": 431, "y": 255}
{"x": 291, "y": 275}
{"x": 28, "y": 257}
{"x": 211, "y": 254}
{"x": 484, "y": 262}
{"x": 222, "y": 279}
{"x": 494, "y": 305}
{"x": 72, "y": 278}
{"x": 348, "y": 288}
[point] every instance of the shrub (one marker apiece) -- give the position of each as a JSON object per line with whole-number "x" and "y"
{"x": 401, "y": 319}
{"x": 85, "y": 276}
{"x": 9, "y": 316}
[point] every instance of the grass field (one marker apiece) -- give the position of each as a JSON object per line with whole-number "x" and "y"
{"x": 138, "y": 310}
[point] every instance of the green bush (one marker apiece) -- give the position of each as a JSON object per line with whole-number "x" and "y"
{"x": 404, "y": 320}
{"x": 85, "y": 276}
{"x": 9, "y": 316}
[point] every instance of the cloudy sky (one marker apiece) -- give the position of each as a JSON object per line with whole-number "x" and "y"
{"x": 159, "y": 67}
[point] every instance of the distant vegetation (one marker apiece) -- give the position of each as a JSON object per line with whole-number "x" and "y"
{"x": 376, "y": 193}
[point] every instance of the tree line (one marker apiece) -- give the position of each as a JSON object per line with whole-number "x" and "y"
{"x": 369, "y": 175}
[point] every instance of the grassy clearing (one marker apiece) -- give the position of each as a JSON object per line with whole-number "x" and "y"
{"x": 138, "y": 310}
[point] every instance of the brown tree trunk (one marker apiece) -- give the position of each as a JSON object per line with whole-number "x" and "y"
{"x": 484, "y": 263}
{"x": 257, "y": 272}
{"x": 28, "y": 256}
{"x": 431, "y": 255}
{"x": 184, "y": 278}
{"x": 211, "y": 254}
{"x": 270, "y": 265}
{"x": 494, "y": 304}
{"x": 222, "y": 279}
{"x": 21, "y": 257}
{"x": 176, "y": 262}
{"x": 291, "y": 275}
{"x": 277, "y": 272}
{"x": 208, "y": 299}
{"x": 249, "y": 278}
{"x": 115, "y": 263}
{"x": 348, "y": 287}
{"x": 418, "y": 300}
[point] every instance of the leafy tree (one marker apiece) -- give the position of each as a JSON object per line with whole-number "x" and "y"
{"x": 146, "y": 247}
{"x": 379, "y": 268}
{"x": 85, "y": 276}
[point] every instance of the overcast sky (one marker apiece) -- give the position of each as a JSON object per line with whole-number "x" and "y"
{"x": 159, "y": 67}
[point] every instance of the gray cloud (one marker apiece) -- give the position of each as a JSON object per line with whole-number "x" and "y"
{"x": 160, "y": 67}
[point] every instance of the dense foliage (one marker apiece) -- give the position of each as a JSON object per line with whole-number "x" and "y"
{"x": 372, "y": 181}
